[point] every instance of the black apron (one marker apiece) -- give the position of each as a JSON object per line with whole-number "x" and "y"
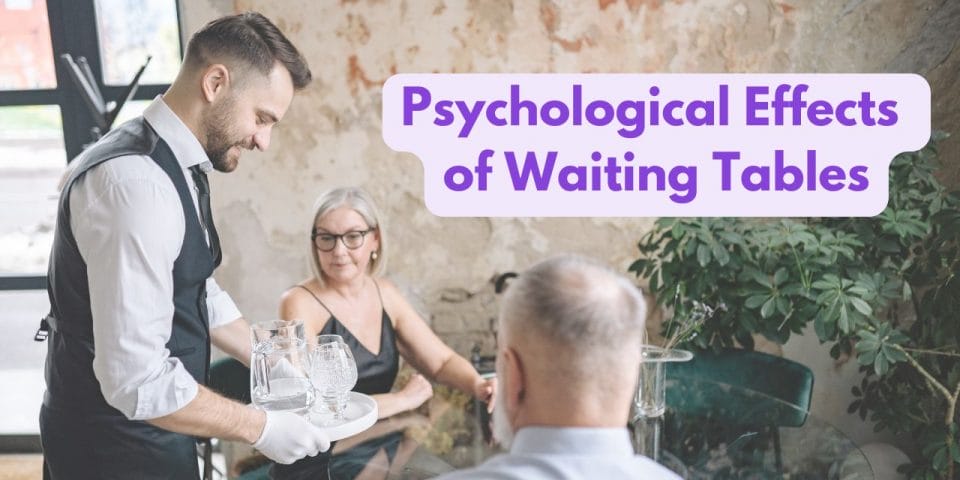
{"x": 83, "y": 436}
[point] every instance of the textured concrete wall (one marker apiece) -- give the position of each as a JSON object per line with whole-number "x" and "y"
{"x": 331, "y": 136}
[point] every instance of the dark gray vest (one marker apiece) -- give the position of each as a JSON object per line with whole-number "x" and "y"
{"x": 78, "y": 427}
{"x": 71, "y": 384}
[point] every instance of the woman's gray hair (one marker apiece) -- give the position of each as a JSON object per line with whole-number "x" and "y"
{"x": 359, "y": 201}
{"x": 579, "y": 305}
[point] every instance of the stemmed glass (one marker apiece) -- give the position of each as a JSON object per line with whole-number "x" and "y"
{"x": 331, "y": 338}
{"x": 333, "y": 371}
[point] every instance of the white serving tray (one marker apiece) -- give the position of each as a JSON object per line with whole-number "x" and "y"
{"x": 361, "y": 413}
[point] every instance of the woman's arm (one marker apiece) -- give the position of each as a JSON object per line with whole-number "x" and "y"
{"x": 420, "y": 346}
{"x": 234, "y": 339}
{"x": 381, "y": 428}
{"x": 412, "y": 395}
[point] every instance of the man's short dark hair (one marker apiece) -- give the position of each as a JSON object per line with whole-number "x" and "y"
{"x": 249, "y": 38}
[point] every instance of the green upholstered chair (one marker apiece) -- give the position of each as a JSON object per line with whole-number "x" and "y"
{"x": 777, "y": 377}
{"x": 231, "y": 379}
{"x": 260, "y": 473}
{"x": 771, "y": 392}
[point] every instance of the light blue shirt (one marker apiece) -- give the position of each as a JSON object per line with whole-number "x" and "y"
{"x": 567, "y": 453}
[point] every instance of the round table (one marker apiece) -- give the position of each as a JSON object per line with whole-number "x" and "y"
{"x": 709, "y": 430}
{"x": 718, "y": 431}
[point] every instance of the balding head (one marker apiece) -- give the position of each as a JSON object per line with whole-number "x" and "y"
{"x": 579, "y": 306}
{"x": 572, "y": 329}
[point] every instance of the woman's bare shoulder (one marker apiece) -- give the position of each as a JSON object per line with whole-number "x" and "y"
{"x": 301, "y": 301}
{"x": 298, "y": 293}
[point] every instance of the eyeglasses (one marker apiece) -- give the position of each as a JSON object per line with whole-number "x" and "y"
{"x": 328, "y": 241}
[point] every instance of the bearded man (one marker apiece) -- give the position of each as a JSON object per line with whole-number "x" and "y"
{"x": 134, "y": 307}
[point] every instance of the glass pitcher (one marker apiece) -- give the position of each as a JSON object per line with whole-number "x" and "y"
{"x": 270, "y": 330}
{"x": 279, "y": 376}
{"x": 280, "y": 366}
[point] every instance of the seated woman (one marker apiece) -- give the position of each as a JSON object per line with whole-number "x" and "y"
{"x": 347, "y": 296}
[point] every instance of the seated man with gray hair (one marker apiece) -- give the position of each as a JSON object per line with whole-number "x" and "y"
{"x": 567, "y": 365}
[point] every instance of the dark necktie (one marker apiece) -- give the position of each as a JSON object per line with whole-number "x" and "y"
{"x": 206, "y": 215}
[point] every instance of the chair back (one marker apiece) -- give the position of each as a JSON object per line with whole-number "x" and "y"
{"x": 231, "y": 379}
{"x": 784, "y": 380}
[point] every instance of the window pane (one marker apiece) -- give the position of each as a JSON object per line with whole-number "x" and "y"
{"x": 26, "y": 54}
{"x": 31, "y": 162}
{"x": 132, "y": 29}
{"x": 131, "y": 109}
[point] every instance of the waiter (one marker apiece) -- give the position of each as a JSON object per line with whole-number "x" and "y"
{"x": 133, "y": 306}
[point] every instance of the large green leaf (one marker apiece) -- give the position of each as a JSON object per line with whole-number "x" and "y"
{"x": 881, "y": 365}
{"x": 861, "y": 306}
{"x": 703, "y": 255}
{"x": 867, "y": 345}
{"x": 756, "y": 300}
{"x": 768, "y": 307}
{"x": 843, "y": 323}
{"x": 780, "y": 276}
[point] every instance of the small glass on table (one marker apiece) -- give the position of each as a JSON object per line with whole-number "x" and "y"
{"x": 650, "y": 399}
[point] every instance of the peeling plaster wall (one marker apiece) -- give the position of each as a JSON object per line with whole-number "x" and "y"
{"x": 331, "y": 135}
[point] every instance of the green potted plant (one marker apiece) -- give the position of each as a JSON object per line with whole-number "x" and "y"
{"x": 884, "y": 290}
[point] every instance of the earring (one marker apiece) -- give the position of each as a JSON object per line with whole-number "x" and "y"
{"x": 373, "y": 255}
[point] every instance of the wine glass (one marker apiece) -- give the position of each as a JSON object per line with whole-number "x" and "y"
{"x": 330, "y": 338}
{"x": 334, "y": 374}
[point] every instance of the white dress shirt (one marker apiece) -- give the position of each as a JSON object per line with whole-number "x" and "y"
{"x": 567, "y": 453}
{"x": 128, "y": 222}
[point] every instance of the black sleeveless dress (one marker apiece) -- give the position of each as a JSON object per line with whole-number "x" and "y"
{"x": 375, "y": 375}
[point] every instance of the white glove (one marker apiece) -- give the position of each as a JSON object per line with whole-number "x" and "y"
{"x": 288, "y": 437}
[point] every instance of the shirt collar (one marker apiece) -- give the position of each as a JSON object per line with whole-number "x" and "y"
{"x": 172, "y": 130}
{"x": 564, "y": 440}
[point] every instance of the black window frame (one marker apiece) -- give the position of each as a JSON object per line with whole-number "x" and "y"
{"x": 73, "y": 30}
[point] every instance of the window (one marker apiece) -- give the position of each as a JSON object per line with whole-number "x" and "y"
{"x": 43, "y": 119}
{"x": 44, "y": 122}
{"x": 28, "y": 58}
{"x": 125, "y": 40}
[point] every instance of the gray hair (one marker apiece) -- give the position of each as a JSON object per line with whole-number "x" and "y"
{"x": 359, "y": 201}
{"x": 593, "y": 313}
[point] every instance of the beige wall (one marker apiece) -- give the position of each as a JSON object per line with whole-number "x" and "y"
{"x": 331, "y": 136}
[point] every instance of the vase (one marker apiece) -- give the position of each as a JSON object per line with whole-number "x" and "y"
{"x": 650, "y": 399}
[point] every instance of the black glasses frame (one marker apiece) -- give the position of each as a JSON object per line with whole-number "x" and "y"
{"x": 341, "y": 238}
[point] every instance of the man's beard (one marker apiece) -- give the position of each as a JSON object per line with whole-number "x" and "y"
{"x": 220, "y": 137}
{"x": 502, "y": 430}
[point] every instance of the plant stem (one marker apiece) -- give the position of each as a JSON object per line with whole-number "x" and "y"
{"x": 951, "y": 406}
{"x": 931, "y": 352}
{"x": 948, "y": 421}
{"x": 936, "y": 385}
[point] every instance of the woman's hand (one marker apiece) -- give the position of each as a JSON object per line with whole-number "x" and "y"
{"x": 417, "y": 391}
{"x": 485, "y": 390}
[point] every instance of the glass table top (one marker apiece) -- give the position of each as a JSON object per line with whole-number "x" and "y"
{"x": 718, "y": 431}
{"x": 709, "y": 430}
